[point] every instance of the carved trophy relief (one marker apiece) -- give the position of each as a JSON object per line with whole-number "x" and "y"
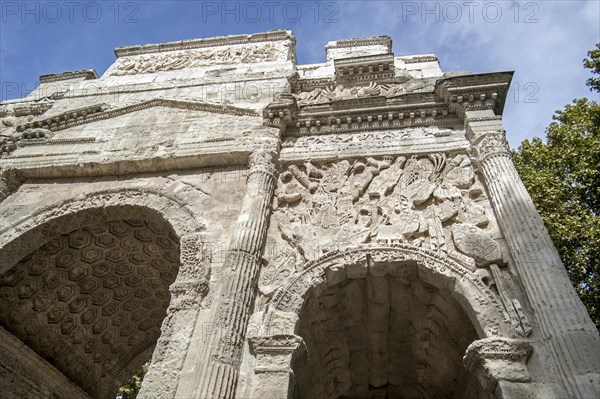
{"x": 430, "y": 201}
{"x": 331, "y": 93}
{"x": 171, "y": 61}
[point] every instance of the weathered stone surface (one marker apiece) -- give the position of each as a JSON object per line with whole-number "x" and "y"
{"x": 474, "y": 242}
{"x": 352, "y": 228}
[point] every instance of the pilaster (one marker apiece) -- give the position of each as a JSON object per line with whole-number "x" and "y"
{"x": 275, "y": 358}
{"x": 187, "y": 293}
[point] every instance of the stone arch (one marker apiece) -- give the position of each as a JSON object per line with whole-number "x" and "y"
{"x": 311, "y": 332}
{"x": 479, "y": 302}
{"x": 106, "y": 293}
{"x": 27, "y": 234}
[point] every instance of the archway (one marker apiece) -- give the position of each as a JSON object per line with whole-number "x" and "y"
{"x": 392, "y": 335}
{"x": 86, "y": 288}
{"x": 381, "y": 321}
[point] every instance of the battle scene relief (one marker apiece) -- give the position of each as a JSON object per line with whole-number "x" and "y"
{"x": 434, "y": 201}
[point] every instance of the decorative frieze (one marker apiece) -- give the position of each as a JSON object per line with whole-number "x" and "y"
{"x": 175, "y": 60}
{"x": 232, "y": 40}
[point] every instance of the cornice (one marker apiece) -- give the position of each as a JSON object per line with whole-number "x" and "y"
{"x": 445, "y": 105}
{"x": 418, "y": 59}
{"x": 276, "y": 35}
{"x": 369, "y": 68}
{"x": 475, "y": 92}
{"x": 366, "y": 41}
{"x": 369, "y": 113}
{"x": 99, "y": 112}
{"x": 87, "y": 74}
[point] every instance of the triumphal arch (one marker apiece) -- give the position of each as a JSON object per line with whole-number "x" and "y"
{"x": 264, "y": 229}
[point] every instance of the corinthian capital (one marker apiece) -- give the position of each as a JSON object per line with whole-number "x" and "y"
{"x": 494, "y": 143}
{"x": 262, "y": 160}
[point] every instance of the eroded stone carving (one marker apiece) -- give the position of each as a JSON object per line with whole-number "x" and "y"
{"x": 331, "y": 93}
{"x": 494, "y": 360}
{"x": 10, "y": 180}
{"x": 171, "y": 61}
{"x": 512, "y": 305}
{"x": 420, "y": 200}
{"x": 379, "y": 217}
{"x": 474, "y": 242}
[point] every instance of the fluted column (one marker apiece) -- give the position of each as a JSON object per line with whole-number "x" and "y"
{"x": 564, "y": 325}
{"x": 223, "y": 351}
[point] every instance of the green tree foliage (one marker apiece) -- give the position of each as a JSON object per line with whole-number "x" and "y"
{"x": 132, "y": 388}
{"x": 594, "y": 64}
{"x": 563, "y": 178}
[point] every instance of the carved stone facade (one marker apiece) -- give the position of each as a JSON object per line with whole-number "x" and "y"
{"x": 262, "y": 229}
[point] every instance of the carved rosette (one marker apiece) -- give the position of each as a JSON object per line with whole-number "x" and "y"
{"x": 496, "y": 359}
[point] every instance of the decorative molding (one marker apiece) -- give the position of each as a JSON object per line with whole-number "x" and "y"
{"x": 361, "y": 42}
{"x": 99, "y": 112}
{"x": 418, "y": 59}
{"x": 271, "y": 36}
{"x": 172, "y": 61}
{"x": 87, "y": 74}
{"x": 282, "y": 111}
{"x": 290, "y": 298}
{"x": 31, "y": 109}
{"x": 475, "y": 92}
{"x": 391, "y": 118}
{"x": 370, "y": 68}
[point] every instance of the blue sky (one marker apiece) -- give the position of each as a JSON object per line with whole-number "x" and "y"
{"x": 544, "y": 42}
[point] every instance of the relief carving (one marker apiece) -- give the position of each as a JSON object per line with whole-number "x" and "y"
{"x": 331, "y": 93}
{"x": 10, "y": 180}
{"x": 512, "y": 305}
{"x": 171, "y": 61}
{"x": 493, "y": 143}
{"x": 433, "y": 202}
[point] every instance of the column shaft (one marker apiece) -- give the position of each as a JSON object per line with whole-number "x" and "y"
{"x": 223, "y": 351}
{"x": 563, "y": 323}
